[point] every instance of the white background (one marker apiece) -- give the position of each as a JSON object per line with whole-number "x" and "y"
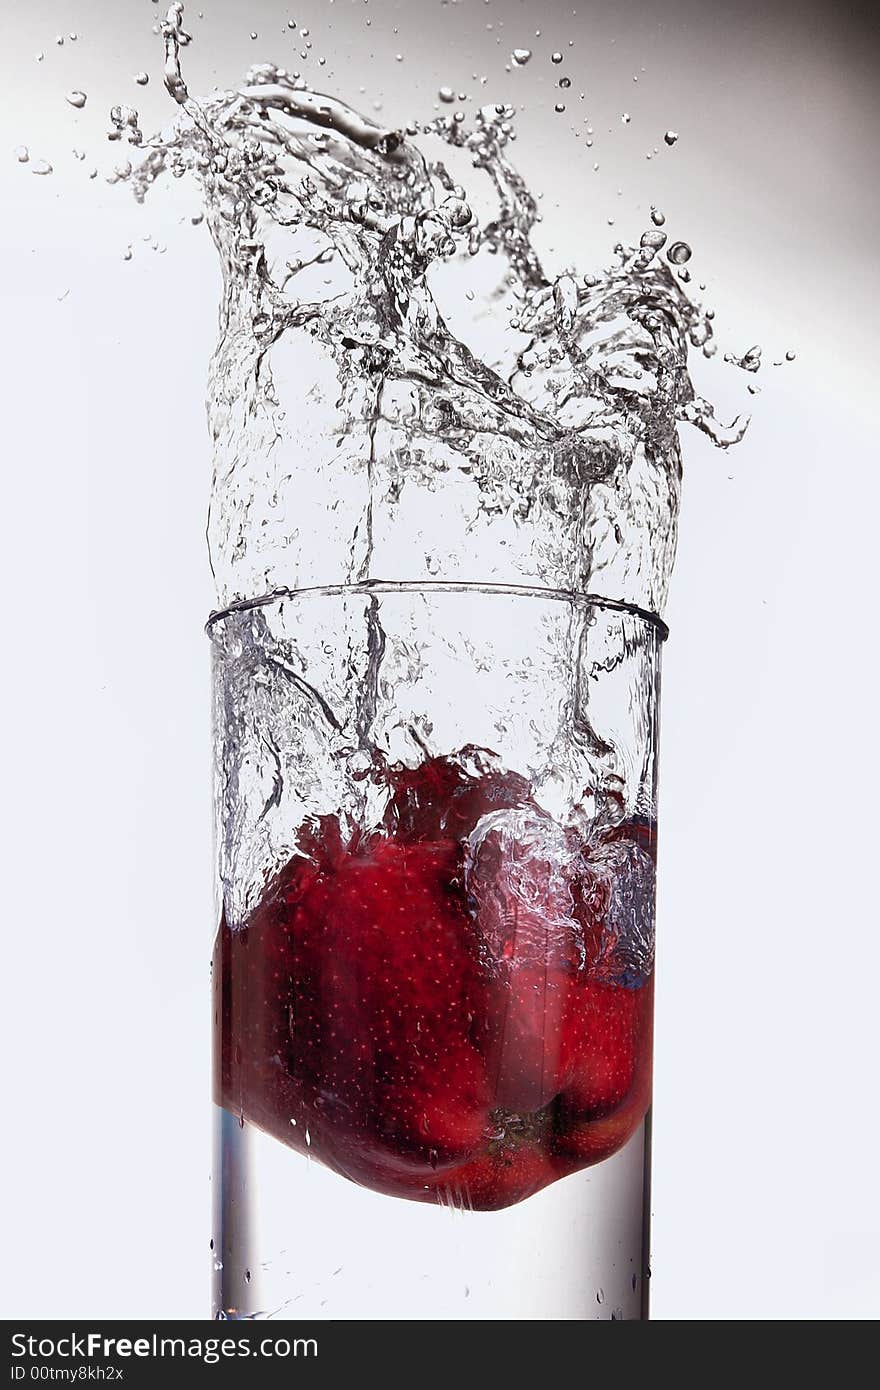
{"x": 766, "y": 1130}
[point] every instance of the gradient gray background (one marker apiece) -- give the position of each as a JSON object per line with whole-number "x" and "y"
{"x": 766, "y": 1118}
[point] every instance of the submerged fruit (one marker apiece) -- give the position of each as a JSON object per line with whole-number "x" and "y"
{"x": 457, "y": 1007}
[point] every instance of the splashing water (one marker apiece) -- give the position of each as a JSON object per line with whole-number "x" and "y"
{"x": 400, "y": 390}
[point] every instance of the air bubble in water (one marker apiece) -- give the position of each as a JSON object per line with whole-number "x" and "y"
{"x": 657, "y": 217}
{"x": 22, "y": 154}
{"x": 41, "y": 167}
{"x": 446, "y": 94}
{"x": 59, "y": 39}
{"x": 565, "y": 301}
{"x": 142, "y": 78}
{"x": 555, "y": 57}
{"x": 654, "y": 241}
{"x": 77, "y": 99}
{"x": 565, "y": 82}
{"x": 670, "y": 137}
{"x": 790, "y": 355}
{"x": 626, "y": 118}
{"x": 247, "y": 1276}
{"x": 679, "y": 253}
{"x": 559, "y": 107}
{"x": 520, "y": 56}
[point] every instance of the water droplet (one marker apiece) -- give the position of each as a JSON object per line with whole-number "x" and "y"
{"x": 670, "y": 137}
{"x": 657, "y": 217}
{"x": 679, "y": 253}
{"x": 59, "y": 39}
{"x": 127, "y": 254}
{"x": 40, "y": 57}
{"x": 790, "y": 356}
{"x": 559, "y": 107}
{"x": 254, "y": 34}
{"x": 555, "y": 57}
{"x": 750, "y": 360}
{"x": 626, "y": 118}
{"x": 446, "y": 94}
{"x": 22, "y": 154}
{"x": 520, "y": 56}
{"x": 565, "y": 82}
{"x": 653, "y": 240}
{"x": 142, "y": 78}
{"x": 247, "y": 1276}
{"x": 77, "y": 99}
{"x": 73, "y": 37}
{"x": 41, "y": 167}
{"x": 600, "y": 1295}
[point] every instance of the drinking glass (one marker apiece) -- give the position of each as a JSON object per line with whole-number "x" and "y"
{"x": 433, "y": 970}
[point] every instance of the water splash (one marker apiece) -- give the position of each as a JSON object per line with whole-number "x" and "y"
{"x": 401, "y": 389}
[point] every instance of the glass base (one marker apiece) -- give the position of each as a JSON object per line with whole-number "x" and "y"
{"x": 294, "y": 1240}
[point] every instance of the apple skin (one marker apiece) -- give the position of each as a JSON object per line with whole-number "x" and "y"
{"x": 429, "y": 1021}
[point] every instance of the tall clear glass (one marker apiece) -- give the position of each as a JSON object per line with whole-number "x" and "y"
{"x": 433, "y": 972}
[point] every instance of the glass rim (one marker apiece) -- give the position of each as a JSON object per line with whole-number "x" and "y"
{"x": 394, "y": 586}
